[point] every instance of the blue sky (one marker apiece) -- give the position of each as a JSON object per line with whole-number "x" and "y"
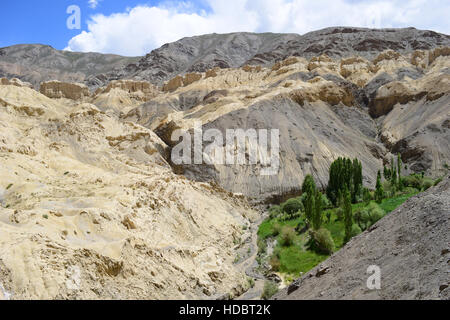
{"x": 44, "y": 21}
{"x": 137, "y": 26}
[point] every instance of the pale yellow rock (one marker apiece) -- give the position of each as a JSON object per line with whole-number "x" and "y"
{"x": 58, "y": 89}
{"x": 95, "y": 212}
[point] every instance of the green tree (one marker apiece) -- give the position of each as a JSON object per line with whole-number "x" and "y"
{"x": 308, "y": 184}
{"x": 317, "y": 218}
{"x": 310, "y": 205}
{"x": 379, "y": 192}
{"x": 344, "y": 174}
{"x": 386, "y": 173}
{"x": 348, "y": 220}
{"x": 309, "y": 188}
{"x": 399, "y": 171}
{"x": 366, "y": 195}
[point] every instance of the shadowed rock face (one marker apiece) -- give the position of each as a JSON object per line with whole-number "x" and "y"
{"x": 410, "y": 246}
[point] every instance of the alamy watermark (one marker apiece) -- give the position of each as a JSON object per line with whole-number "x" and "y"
{"x": 239, "y": 147}
{"x": 74, "y": 20}
{"x": 374, "y": 280}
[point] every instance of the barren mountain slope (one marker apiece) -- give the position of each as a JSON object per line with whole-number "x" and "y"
{"x": 410, "y": 246}
{"x": 198, "y": 54}
{"x": 90, "y": 209}
{"x": 37, "y": 63}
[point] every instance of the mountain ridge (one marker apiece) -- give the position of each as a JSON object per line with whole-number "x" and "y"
{"x": 228, "y": 50}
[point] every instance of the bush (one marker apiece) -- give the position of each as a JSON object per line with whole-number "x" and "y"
{"x": 292, "y": 206}
{"x": 339, "y": 213}
{"x": 375, "y": 213}
{"x": 262, "y": 247}
{"x": 413, "y": 180}
{"x": 355, "y": 230}
{"x": 427, "y": 183}
{"x": 275, "y": 263}
{"x": 287, "y": 236}
{"x": 270, "y": 288}
{"x": 274, "y": 211}
{"x": 437, "y": 181}
{"x": 322, "y": 241}
{"x": 276, "y": 229}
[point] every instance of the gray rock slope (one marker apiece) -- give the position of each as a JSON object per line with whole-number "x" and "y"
{"x": 204, "y": 52}
{"x": 37, "y": 63}
{"x": 411, "y": 246}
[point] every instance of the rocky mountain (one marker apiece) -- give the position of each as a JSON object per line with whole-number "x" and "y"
{"x": 198, "y": 54}
{"x": 410, "y": 246}
{"x": 37, "y": 63}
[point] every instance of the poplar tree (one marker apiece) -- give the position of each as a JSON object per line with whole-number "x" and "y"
{"x": 317, "y": 214}
{"x": 348, "y": 219}
{"x": 379, "y": 192}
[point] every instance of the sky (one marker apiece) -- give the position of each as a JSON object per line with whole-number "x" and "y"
{"x": 135, "y": 27}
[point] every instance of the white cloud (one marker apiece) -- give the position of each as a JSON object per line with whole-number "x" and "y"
{"x": 143, "y": 28}
{"x": 93, "y": 3}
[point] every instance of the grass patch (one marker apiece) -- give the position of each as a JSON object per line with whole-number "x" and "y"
{"x": 294, "y": 260}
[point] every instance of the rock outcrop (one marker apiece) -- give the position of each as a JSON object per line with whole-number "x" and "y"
{"x": 410, "y": 246}
{"x": 123, "y": 95}
{"x": 56, "y": 90}
{"x": 14, "y": 82}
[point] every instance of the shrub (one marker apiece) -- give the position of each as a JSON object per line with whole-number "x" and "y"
{"x": 270, "y": 288}
{"x": 274, "y": 211}
{"x": 355, "y": 230}
{"x": 276, "y": 229}
{"x": 275, "y": 263}
{"x": 437, "y": 181}
{"x": 413, "y": 180}
{"x": 262, "y": 247}
{"x": 322, "y": 241}
{"x": 427, "y": 183}
{"x": 292, "y": 206}
{"x": 375, "y": 213}
{"x": 287, "y": 236}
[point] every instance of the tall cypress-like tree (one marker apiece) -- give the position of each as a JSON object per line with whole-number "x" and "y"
{"x": 308, "y": 184}
{"x": 386, "y": 173}
{"x": 344, "y": 174}
{"x": 310, "y": 205}
{"x": 399, "y": 171}
{"x": 348, "y": 219}
{"x": 317, "y": 218}
{"x": 379, "y": 192}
